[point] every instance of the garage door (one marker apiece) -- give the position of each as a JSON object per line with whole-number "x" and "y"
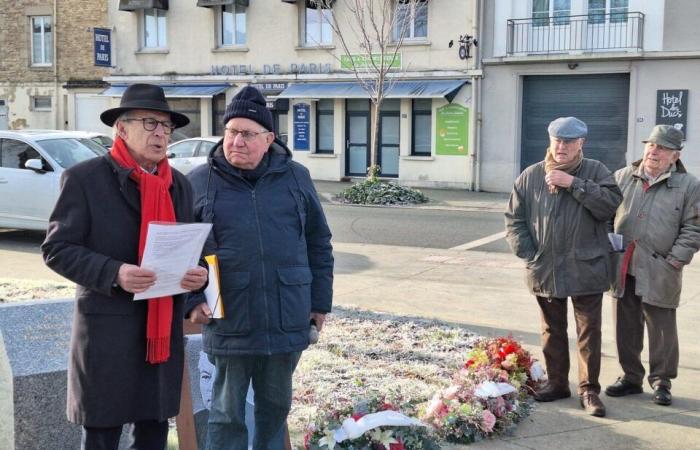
{"x": 88, "y": 108}
{"x": 599, "y": 100}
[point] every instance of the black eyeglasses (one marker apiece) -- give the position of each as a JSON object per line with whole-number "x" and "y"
{"x": 150, "y": 124}
{"x": 247, "y": 136}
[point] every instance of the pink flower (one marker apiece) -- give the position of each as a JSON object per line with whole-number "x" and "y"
{"x": 488, "y": 420}
{"x": 451, "y": 392}
{"x": 436, "y": 407}
{"x": 500, "y": 407}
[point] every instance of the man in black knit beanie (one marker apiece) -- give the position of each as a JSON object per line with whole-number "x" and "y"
{"x": 272, "y": 243}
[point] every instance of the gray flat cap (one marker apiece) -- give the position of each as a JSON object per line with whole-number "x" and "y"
{"x": 666, "y": 136}
{"x": 567, "y": 128}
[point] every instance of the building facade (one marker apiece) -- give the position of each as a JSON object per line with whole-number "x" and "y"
{"x": 203, "y": 51}
{"x": 48, "y": 79}
{"x": 620, "y": 65}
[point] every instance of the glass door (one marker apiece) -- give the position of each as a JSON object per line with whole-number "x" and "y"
{"x": 389, "y": 120}
{"x": 357, "y": 132}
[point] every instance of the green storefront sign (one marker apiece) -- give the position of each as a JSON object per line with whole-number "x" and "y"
{"x": 452, "y": 130}
{"x": 363, "y": 61}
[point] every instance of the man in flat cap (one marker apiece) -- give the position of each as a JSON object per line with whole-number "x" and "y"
{"x": 273, "y": 244}
{"x": 126, "y": 356}
{"x": 556, "y": 222}
{"x": 659, "y": 222}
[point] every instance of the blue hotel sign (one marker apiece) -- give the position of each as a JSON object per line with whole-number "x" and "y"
{"x": 102, "y": 38}
{"x": 301, "y": 126}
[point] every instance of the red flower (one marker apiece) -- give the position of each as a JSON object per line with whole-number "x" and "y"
{"x": 469, "y": 363}
{"x": 357, "y": 416}
{"x": 307, "y": 438}
{"x": 386, "y": 406}
{"x": 397, "y": 446}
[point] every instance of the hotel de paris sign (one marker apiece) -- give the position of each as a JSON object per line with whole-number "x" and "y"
{"x": 269, "y": 69}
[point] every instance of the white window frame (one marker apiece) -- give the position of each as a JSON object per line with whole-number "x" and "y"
{"x": 36, "y": 107}
{"x": 158, "y": 14}
{"x": 325, "y": 16}
{"x": 415, "y": 5}
{"x": 551, "y": 13}
{"x": 220, "y": 25}
{"x": 621, "y": 10}
{"x": 46, "y": 47}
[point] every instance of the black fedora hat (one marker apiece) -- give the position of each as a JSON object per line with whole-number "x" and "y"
{"x": 143, "y": 96}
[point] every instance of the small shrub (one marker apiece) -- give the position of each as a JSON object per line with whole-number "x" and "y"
{"x": 375, "y": 192}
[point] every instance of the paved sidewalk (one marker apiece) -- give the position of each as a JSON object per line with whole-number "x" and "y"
{"x": 486, "y": 293}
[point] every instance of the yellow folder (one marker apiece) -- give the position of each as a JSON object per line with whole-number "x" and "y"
{"x": 213, "y": 290}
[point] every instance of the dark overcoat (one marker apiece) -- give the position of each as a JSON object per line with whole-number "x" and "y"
{"x": 93, "y": 229}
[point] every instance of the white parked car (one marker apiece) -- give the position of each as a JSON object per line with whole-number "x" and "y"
{"x": 31, "y": 163}
{"x": 187, "y": 154}
{"x": 100, "y": 138}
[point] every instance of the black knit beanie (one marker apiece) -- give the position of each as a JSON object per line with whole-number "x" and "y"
{"x": 249, "y": 103}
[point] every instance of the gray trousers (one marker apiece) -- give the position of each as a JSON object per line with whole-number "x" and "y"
{"x": 555, "y": 342}
{"x": 630, "y": 315}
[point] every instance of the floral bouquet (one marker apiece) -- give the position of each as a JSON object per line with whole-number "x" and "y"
{"x": 488, "y": 396}
{"x": 379, "y": 422}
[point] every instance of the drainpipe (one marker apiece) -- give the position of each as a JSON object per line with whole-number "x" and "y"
{"x": 475, "y": 119}
{"x": 55, "y": 66}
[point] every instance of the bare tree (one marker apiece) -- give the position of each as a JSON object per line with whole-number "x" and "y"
{"x": 371, "y": 34}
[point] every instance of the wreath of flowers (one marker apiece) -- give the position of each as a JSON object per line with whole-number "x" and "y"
{"x": 320, "y": 433}
{"x": 488, "y": 396}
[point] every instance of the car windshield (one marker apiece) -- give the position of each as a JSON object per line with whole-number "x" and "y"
{"x": 68, "y": 151}
{"x": 94, "y": 146}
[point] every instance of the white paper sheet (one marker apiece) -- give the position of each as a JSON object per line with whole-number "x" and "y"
{"x": 171, "y": 250}
{"x": 616, "y": 241}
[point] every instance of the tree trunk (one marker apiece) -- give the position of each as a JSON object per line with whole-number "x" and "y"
{"x": 374, "y": 169}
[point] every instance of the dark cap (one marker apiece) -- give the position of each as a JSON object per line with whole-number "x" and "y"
{"x": 567, "y": 128}
{"x": 666, "y": 136}
{"x": 143, "y": 96}
{"x": 249, "y": 103}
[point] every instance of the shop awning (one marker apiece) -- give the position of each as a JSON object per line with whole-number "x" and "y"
{"x": 211, "y": 3}
{"x": 400, "y": 89}
{"x": 135, "y": 5}
{"x": 176, "y": 90}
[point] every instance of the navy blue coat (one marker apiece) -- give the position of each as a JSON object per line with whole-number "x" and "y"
{"x": 274, "y": 250}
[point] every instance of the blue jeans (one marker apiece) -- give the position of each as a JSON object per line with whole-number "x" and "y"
{"x": 272, "y": 383}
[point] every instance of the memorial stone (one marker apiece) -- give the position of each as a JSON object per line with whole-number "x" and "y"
{"x": 201, "y": 376}
{"x": 36, "y": 336}
{"x": 7, "y": 416}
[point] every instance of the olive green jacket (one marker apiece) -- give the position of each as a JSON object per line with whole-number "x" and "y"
{"x": 563, "y": 236}
{"x": 664, "y": 225}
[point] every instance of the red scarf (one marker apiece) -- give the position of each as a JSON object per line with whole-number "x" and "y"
{"x": 156, "y": 205}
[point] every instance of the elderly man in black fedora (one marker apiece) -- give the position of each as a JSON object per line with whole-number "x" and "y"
{"x": 556, "y": 222}
{"x": 126, "y": 356}
{"x": 659, "y": 222}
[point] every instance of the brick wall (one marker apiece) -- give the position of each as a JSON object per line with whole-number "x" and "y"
{"x": 72, "y": 28}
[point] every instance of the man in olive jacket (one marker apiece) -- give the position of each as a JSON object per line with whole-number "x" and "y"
{"x": 126, "y": 356}
{"x": 658, "y": 219}
{"x": 556, "y": 222}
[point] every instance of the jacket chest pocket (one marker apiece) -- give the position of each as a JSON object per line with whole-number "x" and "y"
{"x": 235, "y": 293}
{"x": 295, "y": 297}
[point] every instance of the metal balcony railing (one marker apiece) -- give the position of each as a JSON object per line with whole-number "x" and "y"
{"x": 584, "y": 33}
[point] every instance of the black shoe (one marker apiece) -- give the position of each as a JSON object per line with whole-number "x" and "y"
{"x": 662, "y": 395}
{"x": 592, "y": 404}
{"x": 623, "y": 387}
{"x": 549, "y": 393}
